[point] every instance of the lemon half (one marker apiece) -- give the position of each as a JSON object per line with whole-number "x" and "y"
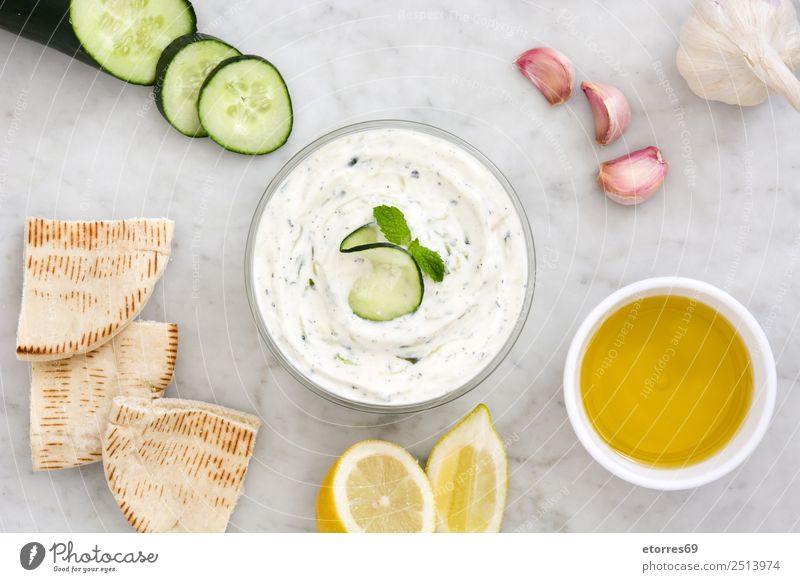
{"x": 378, "y": 487}
{"x": 468, "y": 470}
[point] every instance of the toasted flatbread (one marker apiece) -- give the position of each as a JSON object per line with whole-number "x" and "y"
{"x": 177, "y": 465}
{"x": 85, "y": 281}
{"x": 70, "y": 399}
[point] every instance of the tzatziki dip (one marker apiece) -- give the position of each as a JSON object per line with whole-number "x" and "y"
{"x": 454, "y": 205}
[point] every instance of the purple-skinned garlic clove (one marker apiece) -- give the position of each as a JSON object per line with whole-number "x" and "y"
{"x": 634, "y": 177}
{"x": 550, "y": 71}
{"x": 611, "y": 111}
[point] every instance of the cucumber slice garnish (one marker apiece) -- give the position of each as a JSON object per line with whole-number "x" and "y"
{"x": 394, "y": 287}
{"x": 180, "y": 73}
{"x": 126, "y": 37}
{"x": 245, "y": 107}
{"x": 363, "y": 235}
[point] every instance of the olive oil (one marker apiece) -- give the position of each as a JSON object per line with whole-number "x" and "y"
{"x": 666, "y": 381}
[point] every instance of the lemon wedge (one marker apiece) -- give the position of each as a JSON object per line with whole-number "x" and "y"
{"x": 376, "y": 487}
{"x": 468, "y": 470}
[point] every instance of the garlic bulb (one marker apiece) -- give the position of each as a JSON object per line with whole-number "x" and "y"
{"x": 737, "y": 51}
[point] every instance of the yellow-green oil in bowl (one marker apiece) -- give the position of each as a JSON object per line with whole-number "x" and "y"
{"x": 666, "y": 381}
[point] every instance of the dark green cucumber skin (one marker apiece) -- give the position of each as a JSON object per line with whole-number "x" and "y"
{"x": 45, "y": 22}
{"x": 387, "y": 245}
{"x": 165, "y": 59}
{"x": 221, "y": 66}
{"x": 190, "y": 10}
{"x": 343, "y": 246}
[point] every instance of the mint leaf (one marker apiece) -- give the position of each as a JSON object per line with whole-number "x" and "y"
{"x": 394, "y": 227}
{"x": 393, "y": 224}
{"x": 429, "y": 261}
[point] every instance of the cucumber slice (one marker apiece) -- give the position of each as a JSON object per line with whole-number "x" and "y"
{"x": 245, "y": 107}
{"x": 394, "y": 287}
{"x": 180, "y": 72}
{"x": 363, "y": 235}
{"x": 126, "y": 37}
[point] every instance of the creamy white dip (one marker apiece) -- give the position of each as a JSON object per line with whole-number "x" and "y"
{"x": 453, "y": 204}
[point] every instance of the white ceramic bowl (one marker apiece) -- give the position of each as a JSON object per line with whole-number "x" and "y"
{"x": 748, "y": 435}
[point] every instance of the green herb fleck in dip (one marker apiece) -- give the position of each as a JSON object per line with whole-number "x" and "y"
{"x": 453, "y": 205}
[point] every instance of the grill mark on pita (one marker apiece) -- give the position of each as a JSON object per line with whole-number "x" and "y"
{"x": 96, "y": 234}
{"x": 185, "y": 465}
{"x": 198, "y": 463}
{"x": 78, "y": 255}
{"x": 70, "y": 399}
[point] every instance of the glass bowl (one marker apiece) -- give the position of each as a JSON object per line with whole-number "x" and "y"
{"x": 458, "y": 391}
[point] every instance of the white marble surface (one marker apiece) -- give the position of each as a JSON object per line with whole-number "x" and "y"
{"x": 76, "y": 144}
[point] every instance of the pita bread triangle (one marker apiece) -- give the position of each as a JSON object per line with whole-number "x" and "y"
{"x": 85, "y": 281}
{"x": 177, "y": 465}
{"x": 70, "y": 399}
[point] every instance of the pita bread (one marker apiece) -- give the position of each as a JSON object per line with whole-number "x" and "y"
{"x": 177, "y": 465}
{"x": 85, "y": 281}
{"x": 70, "y": 399}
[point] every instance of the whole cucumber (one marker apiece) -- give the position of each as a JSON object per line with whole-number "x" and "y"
{"x": 46, "y": 22}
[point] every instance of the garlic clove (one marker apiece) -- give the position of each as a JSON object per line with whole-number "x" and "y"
{"x": 550, "y": 70}
{"x": 611, "y": 111}
{"x": 634, "y": 177}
